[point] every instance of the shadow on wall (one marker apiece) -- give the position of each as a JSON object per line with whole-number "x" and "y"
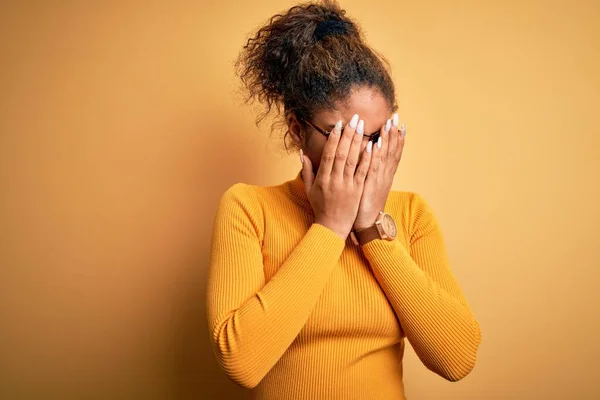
{"x": 193, "y": 370}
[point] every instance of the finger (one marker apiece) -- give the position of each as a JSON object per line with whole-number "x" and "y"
{"x": 376, "y": 164}
{"x": 393, "y": 135}
{"x": 394, "y": 148}
{"x": 362, "y": 169}
{"x": 394, "y": 156}
{"x": 401, "y": 141}
{"x": 308, "y": 176}
{"x": 384, "y": 149}
{"x": 343, "y": 148}
{"x": 329, "y": 150}
{"x": 354, "y": 153}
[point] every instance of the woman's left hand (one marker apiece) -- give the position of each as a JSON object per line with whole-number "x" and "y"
{"x": 384, "y": 163}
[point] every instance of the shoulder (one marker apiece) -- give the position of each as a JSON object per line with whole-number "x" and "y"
{"x": 251, "y": 193}
{"x": 238, "y": 192}
{"x": 405, "y": 201}
{"x": 242, "y": 197}
{"x": 410, "y": 208}
{"x": 256, "y": 195}
{"x": 240, "y": 210}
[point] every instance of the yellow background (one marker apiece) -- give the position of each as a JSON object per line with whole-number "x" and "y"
{"x": 120, "y": 129}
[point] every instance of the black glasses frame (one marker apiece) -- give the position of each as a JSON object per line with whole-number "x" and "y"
{"x": 372, "y": 137}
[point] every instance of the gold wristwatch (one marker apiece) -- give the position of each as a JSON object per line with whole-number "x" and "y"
{"x": 384, "y": 228}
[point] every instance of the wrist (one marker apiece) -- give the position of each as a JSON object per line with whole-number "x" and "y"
{"x": 341, "y": 232}
{"x": 383, "y": 227}
{"x": 362, "y": 225}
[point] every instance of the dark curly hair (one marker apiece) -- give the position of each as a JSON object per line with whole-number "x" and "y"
{"x": 307, "y": 59}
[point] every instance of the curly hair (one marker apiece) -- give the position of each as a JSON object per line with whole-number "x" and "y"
{"x": 293, "y": 65}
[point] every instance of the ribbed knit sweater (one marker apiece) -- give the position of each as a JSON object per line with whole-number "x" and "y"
{"x": 296, "y": 312}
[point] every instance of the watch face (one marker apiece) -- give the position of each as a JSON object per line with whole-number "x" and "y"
{"x": 389, "y": 226}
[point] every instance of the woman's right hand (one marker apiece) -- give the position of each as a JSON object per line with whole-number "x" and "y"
{"x": 335, "y": 192}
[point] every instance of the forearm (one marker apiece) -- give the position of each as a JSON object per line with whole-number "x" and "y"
{"x": 440, "y": 327}
{"x": 250, "y": 339}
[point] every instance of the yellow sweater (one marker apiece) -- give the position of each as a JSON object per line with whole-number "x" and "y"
{"x": 295, "y": 312}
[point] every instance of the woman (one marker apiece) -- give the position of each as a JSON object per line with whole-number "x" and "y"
{"x": 315, "y": 283}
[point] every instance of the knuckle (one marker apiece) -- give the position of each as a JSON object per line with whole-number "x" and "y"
{"x": 340, "y": 155}
{"x": 361, "y": 173}
{"x": 328, "y": 157}
{"x": 324, "y": 185}
{"x": 351, "y": 162}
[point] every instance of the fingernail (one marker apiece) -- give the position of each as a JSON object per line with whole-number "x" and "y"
{"x": 388, "y": 125}
{"x": 395, "y": 120}
{"x": 379, "y": 142}
{"x": 354, "y": 121}
{"x": 403, "y": 130}
{"x": 369, "y": 146}
{"x": 361, "y": 127}
{"x": 301, "y": 156}
{"x": 338, "y": 127}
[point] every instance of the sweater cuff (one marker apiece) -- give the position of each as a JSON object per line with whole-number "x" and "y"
{"x": 328, "y": 240}
{"x": 377, "y": 249}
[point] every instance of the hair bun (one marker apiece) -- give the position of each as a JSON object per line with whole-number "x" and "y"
{"x": 329, "y": 28}
{"x": 307, "y": 59}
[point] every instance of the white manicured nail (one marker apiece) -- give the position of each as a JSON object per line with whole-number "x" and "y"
{"x": 395, "y": 120}
{"x": 388, "y": 125}
{"x": 361, "y": 127}
{"x": 338, "y": 127}
{"x": 369, "y": 146}
{"x": 354, "y": 121}
{"x": 379, "y": 141}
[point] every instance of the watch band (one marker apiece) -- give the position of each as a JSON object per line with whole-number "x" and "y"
{"x": 376, "y": 231}
{"x": 364, "y": 236}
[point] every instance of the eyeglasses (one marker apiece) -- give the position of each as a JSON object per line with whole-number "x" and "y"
{"x": 373, "y": 136}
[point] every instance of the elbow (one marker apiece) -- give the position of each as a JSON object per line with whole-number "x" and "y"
{"x": 463, "y": 362}
{"x": 456, "y": 367}
{"x": 237, "y": 369}
{"x": 452, "y": 369}
{"x": 455, "y": 373}
{"x": 235, "y": 362}
{"x": 456, "y": 364}
{"x": 243, "y": 375}
{"x": 248, "y": 384}
{"x": 242, "y": 379}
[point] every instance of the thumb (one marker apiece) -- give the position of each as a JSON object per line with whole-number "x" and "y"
{"x": 308, "y": 176}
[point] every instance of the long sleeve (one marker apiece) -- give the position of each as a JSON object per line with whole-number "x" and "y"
{"x": 428, "y": 301}
{"x": 253, "y": 322}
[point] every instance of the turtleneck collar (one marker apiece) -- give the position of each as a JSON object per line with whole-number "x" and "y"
{"x": 298, "y": 192}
